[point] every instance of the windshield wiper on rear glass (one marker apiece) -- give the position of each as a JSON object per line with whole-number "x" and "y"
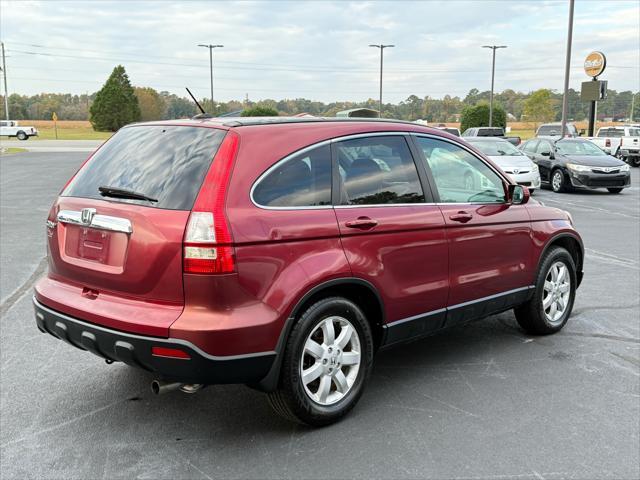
{"x": 116, "y": 192}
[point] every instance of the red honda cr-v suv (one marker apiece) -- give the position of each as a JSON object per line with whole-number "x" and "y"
{"x": 283, "y": 253}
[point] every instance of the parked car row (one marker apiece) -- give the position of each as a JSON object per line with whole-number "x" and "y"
{"x": 622, "y": 142}
{"x": 491, "y": 132}
{"x": 576, "y": 162}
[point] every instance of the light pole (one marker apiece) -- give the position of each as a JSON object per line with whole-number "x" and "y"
{"x": 381, "y": 47}
{"x": 567, "y": 64}
{"x": 493, "y": 74}
{"x": 6, "y": 93}
{"x": 211, "y": 47}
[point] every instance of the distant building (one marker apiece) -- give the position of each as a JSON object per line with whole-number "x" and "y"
{"x": 358, "y": 113}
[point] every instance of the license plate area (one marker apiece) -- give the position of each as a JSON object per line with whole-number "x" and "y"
{"x": 93, "y": 245}
{"x": 94, "y": 249}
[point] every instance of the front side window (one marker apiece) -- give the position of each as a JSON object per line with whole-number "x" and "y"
{"x": 377, "y": 170}
{"x": 530, "y": 146}
{"x": 303, "y": 180}
{"x": 460, "y": 176}
{"x": 543, "y": 147}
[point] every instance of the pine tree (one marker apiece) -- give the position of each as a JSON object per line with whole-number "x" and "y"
{"x": 115, "y": 104}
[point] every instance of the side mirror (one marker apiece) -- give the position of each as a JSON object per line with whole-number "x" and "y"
{"x": 545, "y": 154}
{"x": 518, "y": 194}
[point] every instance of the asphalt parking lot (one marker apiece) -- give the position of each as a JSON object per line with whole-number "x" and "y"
{"x": 482, "y": 401}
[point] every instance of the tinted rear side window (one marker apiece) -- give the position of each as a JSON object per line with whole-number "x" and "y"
{"x": 377, "y": 170}
{"x": 548, "y": 130}
{"x": 167, "y": 163}
{"x": 490, "y": 132}
{"x": 303, "y": 180}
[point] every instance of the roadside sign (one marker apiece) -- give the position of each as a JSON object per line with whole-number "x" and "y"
{"x": 54, "y": 117}
{"x": 595, "y": 63}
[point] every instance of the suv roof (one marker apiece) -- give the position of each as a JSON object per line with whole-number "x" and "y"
{"x": 232, "y": 122}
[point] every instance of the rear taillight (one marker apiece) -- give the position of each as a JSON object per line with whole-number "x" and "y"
{"x": 207, "y": 242}
{"x": 607, "y": 142}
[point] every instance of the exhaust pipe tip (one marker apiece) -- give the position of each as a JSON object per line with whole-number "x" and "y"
{"x": 159, "y": 387}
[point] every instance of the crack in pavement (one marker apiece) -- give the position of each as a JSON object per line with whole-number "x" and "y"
{"x": 605, "y": 336}
{"x": 631, "y": 360}
{"x": 20, "y": 291}
{"x": 580, "y": 311}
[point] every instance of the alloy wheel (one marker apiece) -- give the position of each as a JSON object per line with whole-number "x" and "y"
{"x": 556, "y": 293}
{"x": 330, "y": 360}
{"x": 557, "y": 181}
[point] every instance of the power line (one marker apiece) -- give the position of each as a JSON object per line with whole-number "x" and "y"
{"x": 292, "y": 68}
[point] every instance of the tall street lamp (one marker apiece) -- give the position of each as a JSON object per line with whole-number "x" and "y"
{"x": 211, "y": 47}
{"x": 493, "y": 73}
{"x": 381, "y": 47}
{"x": 567, "y": 66}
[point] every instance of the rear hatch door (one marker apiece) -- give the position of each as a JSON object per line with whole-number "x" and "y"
{"x": 116, "y": 231}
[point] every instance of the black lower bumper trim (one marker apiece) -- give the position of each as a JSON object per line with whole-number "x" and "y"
{"x": 135, "y": 350}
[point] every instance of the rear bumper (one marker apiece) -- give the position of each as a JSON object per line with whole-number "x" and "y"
{"x": 135, "y": 350}
{"x": 630, "y": 152}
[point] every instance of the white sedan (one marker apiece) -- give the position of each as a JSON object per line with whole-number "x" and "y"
{"x": 511, "y": 160}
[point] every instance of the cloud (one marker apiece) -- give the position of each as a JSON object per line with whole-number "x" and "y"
{"x": 317, "y": 50}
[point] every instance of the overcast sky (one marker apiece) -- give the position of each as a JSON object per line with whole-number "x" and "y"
{"x": 317, "y": 50}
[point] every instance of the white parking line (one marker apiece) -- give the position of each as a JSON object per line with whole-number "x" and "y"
{"x": 590, "y": 208}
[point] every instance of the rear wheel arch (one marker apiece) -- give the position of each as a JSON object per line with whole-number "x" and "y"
{"x": 357, "y": 290}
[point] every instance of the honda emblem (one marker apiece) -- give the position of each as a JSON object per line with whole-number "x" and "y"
{"x": 86, "y": 216}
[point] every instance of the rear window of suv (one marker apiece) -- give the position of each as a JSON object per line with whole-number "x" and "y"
{"x": 167, "y": 163}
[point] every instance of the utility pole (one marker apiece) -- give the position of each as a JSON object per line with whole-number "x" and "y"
{"x": 633, "y": 100}
{"x": 6, "y": 92}
{"x": 381, "y": 47}
{"x": 493, "y": 74}
{"x": 567, "y": 65}
{"x": 211, "y": 47}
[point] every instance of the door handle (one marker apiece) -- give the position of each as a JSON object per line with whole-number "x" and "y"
{"x": 462, "y": 217}
{"x": 363, "y": 223}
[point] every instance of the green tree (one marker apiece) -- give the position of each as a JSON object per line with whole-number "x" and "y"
{"x": 478, "y": 116}
{"x": 151, "y": 104}
{"x": 259, "y": 111}
{"x": 539, "y": 106}
{"x": 115, "y": 104}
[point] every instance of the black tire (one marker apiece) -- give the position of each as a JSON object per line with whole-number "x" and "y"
{"x": 635, "y": 162}
{"x": 560, "y": 185}
{"x": 290, "y": 400}
{"x": 614, "y": 190}
{"x": 22, "y": 136}
{"x": 531, "y": 315}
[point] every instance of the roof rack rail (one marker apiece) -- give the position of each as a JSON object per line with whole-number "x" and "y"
{"x": 249, "y": 121}
{"x": 201, "y": 116}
